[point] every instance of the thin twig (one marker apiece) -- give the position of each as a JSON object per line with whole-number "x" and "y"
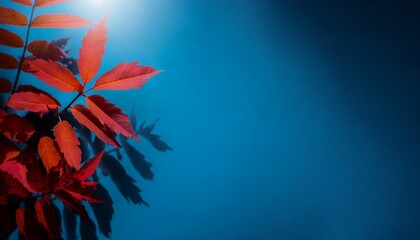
{"x": 24, "y": 50}
{"x": 78, "y": 95}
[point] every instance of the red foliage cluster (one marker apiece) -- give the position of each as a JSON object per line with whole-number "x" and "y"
{"x": 35, "y": 169}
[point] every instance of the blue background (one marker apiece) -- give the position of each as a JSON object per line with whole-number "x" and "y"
{"x": 288, "y": 119}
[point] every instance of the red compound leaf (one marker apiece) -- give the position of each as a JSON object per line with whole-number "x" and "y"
{"x": 32, "y": 99}
{"x": 111, "y": 115}
{"x": 85, "y": 117}
{"x": 125, "y": 76}
{"x": 59, "y": 21}
{"x": 92, "y": 51}
{"x": 54, "y": 74}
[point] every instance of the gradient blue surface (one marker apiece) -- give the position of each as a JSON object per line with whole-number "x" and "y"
{"x": 294, "y": 120}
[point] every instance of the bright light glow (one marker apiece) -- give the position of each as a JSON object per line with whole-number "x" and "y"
{"x": 96, "y": 9}
{"x": 98, "y": 2}
{"x": 123, "y": 16}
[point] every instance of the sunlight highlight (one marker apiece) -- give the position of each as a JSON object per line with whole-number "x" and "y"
{"x": 96, "y": 9}
{"x": 98, "y": 3}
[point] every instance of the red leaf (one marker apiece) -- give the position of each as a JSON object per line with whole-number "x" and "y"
{"x": 87, "y": 119}
{"x": 28, "y": 225}
{"x": 23, "y": 2}
{"x": 85, "y": 196}
{"x": 10, "y": 39}
{"x": 88, "y": 168}
{"x": 5, "y": 85}
{"x": 11, "y": 189}
{"x": 46, "y": 50}
{"x": 90, "y": 184}
{"x": 92, "y": 51}
{"x": 32, "y": 99}
{"x": 20, "y": 221}
{"x": 8, "y": 62}
{"x": 48, "y": 218}
{"x": 40, "y": 214}
{"x": 36, "y": 176}
{"x": 59, "y": 21}
{"x": 73, "y": 204}
{"x": 18, "y": 171}
{"x": 8, "y": 150}
{"x": 15, "y": 127}
{"x": 30, "y": 88}
{"x": 48, "y": 152}
{"x": 12, "y": 17}
{"x": 125, "y": 76}
{"x": 111, "y": 115}
{"x": 54, "y": 74}
{"x": 69, "y": 143}
{"x": 44, "y": 3}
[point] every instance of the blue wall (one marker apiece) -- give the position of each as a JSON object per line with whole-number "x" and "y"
{"x": 293, "y": 120}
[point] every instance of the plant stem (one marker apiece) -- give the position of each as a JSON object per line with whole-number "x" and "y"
{"x": 24, "y": 49}
{"x": 78, "y": 95}
{"x": 88, "y": 90}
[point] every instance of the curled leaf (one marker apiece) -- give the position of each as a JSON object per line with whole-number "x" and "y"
{"x": 48, "y": 152}
{"x": 59, "y": 21}
{"x": 92, "y": 51}
{"x": 15, "y": 127}
{"x": 69, "y": 143}
{"x": 111, "y": 115}
{"x": 54, "y": 74}
{"x": 125, "y": 76}
{"x": 32, "y": 99}
{"x": 12, "y": 17}
{"x": 8, "y": 62}
{"x": 10, "y": 39}
{"x": 85, "y": 117}
{"x": 46, "y": 50}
